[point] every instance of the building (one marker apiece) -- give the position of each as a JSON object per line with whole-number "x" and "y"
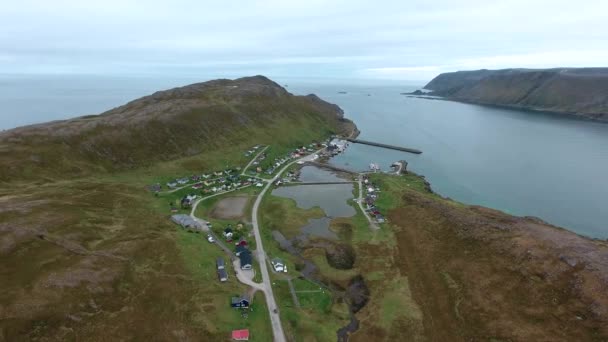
{"x": 228, "y": 233}
{"x": 278, "y": 265}
{"x": 240, "y": 335}
{"x": 246, "y": 260}
{"x": 222, "y": 275}
{"x": 220, "y": 264}
{"x": 240, "y": 248}
{"x": 241, "y": 302}
{"x": 186, "y": 222}
{"x": 337, "y": 144}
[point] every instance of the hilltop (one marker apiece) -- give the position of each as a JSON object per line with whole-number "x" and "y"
{"x": 581, "y": 92}
{"x": 164, "y": 126}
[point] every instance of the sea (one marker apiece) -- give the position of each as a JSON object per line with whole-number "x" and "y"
{"x": 550, "y": 166}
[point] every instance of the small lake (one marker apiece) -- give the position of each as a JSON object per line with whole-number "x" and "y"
{"x": 331, "y": 198}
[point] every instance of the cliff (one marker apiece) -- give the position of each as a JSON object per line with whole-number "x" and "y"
{"x": 582, "y": 92}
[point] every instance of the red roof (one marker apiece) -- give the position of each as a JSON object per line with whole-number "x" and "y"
{"x": 240, "y": 335}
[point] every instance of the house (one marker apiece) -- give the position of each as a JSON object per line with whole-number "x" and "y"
{"x": 222, "y": 275}
{"x": 172, "y": 185}
{"x": 228, "y": 233}
{"x": 259, "y": 185}
{"x": 208, "y": 182}
{"x": 240, "y": 248}
{"x": 240, "y": 335}
{"x": 218, "y": 173}
{"x": 240, "y": 302}
{"x": 183, "y": 181}
{"x": 278, "y": 265}
{"x": 186, "y": 221}
{"x": 246, "y": 260}
{"x": 220, "y": 264}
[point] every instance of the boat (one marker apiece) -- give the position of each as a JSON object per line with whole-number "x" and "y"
{"x": 374, "y": 167}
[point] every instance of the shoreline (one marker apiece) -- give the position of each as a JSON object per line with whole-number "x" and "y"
{"x": 563, "y": 114}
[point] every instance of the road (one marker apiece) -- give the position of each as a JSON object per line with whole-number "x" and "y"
{"x": 275, "y": 319}
{"x": 372, "y": 224}
{"x": 265, "y": 286}
{"x": 252, "y": 160}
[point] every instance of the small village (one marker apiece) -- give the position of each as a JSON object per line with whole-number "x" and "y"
{"x": 235, "y": 238}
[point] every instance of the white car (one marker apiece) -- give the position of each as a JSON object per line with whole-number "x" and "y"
{"x": 210, "y": 238}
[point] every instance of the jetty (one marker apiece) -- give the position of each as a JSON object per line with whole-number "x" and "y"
{"x": 392, "y": 147}
{"x": 330, "y": 167}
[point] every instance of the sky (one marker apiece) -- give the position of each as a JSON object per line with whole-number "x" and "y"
{"x": 383, "y": 40}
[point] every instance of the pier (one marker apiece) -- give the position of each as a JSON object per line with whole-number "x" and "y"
{"x": 392, "y": 147}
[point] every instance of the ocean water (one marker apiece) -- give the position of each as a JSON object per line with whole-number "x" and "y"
{"x": 545, "y": 165}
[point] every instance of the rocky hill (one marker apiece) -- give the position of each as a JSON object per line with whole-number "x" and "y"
{"x": 582, "y": 92}
{"x": 164, "y": 126}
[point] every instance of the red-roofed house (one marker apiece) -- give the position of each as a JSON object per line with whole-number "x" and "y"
{"x": 240, "y": 335}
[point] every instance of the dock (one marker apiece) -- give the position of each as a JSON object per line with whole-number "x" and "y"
{"x": 392, "y": 147}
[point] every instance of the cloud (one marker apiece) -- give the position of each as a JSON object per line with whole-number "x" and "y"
{"x": 391, "y": 39}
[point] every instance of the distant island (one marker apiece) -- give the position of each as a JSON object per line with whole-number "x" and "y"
{"x": 581, "y": 92}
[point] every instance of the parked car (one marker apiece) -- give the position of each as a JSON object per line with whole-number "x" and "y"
{"x": 210, "y": 238}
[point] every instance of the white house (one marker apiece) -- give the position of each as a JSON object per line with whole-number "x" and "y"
{"x": 278, "y": 265}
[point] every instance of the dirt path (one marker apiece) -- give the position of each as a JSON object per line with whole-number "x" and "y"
{"x": 252, "y": 160}
{"x": 296, "y": 302}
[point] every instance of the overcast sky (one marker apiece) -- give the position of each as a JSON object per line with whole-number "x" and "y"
{"x": 404, "y": 39}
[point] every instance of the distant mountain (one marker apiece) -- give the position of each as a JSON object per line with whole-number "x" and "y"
{"x": 164, "y": 126}
{"x": 578, "y": 91}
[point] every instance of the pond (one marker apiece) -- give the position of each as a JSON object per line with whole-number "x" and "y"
{"x": 332, "y": 198}
{"x": 315, "y": 174}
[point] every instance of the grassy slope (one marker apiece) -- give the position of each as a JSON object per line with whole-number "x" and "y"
{"x": 441, "y": 270}
{"x": 96, "y": 258}
{"x": 473, "y": 273}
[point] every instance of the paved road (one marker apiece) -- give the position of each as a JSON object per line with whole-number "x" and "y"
{"x": 275, "y": 319}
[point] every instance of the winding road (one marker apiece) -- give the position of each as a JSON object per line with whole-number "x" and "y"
{"x": 273, "y": 310}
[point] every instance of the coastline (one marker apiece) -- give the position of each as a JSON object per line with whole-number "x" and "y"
{"x": 564, "y": 114}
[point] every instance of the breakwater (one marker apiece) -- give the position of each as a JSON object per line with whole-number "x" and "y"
{"x": 392, "y": 147}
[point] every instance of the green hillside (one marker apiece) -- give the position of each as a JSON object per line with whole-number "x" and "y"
{"x": 89, "y": 254}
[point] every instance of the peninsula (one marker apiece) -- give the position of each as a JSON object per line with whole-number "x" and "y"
{"x": 582, "y": 92}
